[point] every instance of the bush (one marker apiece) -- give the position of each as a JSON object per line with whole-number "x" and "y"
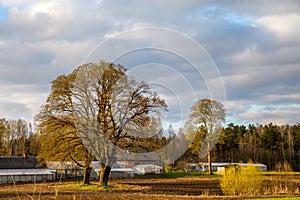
{"x": 242, "y": 180}
{"x": 170, "y": 169}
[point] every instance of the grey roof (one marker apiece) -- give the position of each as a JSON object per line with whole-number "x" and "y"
{"x": 63, "y": 165}
{"x": 221, "y": 164}
{"x": 118, "y": 170}
{"x": 18, "y": 162}
{"x": 147, "y": 166}
{"x": 5, "y": 172}
{"x": 139, "y": 157}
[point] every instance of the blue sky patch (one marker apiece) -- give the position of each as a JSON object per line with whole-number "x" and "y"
{"x": 3, "y": 13}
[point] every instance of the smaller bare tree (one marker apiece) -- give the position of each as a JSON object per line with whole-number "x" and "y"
{"x": 206, "y": 118}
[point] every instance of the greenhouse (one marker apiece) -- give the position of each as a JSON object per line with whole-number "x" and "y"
{"x": 15, "y": 169}
{"x": 26, "y": 175}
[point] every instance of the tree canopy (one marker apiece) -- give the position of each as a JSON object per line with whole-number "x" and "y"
{"x": 95, "y": 110}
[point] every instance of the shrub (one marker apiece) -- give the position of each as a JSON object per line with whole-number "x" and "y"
{"x": 240, "y": 180}
{"x": 170, "y": 169}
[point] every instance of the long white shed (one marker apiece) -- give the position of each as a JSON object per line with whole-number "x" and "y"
{"x": 26, "y": 175}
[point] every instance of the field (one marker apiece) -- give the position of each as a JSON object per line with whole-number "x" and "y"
{"x": 188, "y": 187}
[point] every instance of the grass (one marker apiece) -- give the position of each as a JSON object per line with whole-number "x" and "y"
{"x": 285, "y": 198}
{"x": 178, "y": 174}
{"x": 266, "y": 173}
{"x": 82, "y": 187}
{"x": 95, "y": 187}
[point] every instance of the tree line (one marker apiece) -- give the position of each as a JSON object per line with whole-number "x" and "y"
{"x": 17, "y": 138}
{"x": 269, "y": 144}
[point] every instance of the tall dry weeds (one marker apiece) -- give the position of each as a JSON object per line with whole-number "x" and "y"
{"x": 242, "y": 180}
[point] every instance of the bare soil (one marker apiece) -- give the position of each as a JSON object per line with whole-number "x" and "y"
{"x": 160, "y": 188}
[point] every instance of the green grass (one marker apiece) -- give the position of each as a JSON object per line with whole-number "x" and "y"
{"x": 284, "y": 198}
{"x": 178, "y": 174}
{"x": 280, "y": 173}
{"x": 84, "y": 187}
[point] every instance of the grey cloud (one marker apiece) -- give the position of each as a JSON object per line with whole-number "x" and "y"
{"x": 258, "y": 63}
{"x": 285, "y": 114}
{"x": 265, "y": 81}
{"x": 15, "y": 110}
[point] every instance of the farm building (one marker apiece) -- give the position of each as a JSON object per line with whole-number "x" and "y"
{"x": 120, "y": 169}
{"x": 119, "y": 172}
{"x": 148, "y": 169}
{"x": 70, "y": 169}
{"x": 202, "y": 166}
{"x": 15, "y": 169}
{"x": 122, "y": 173}
{"x": 217, "y": 166}
{"x": 222, "y": 169}
{"x": 65, "y": 169}
{"x": 143, "y": 159}
{"x": 191, "y": 167}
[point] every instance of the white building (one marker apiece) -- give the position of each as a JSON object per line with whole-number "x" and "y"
{"x": 148, "y": 169}
{"x": 26, "y": 175}
{"x": 14, "y": 169}
{"x": 203, "y": 166}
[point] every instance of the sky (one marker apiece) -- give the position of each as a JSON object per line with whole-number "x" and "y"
{"x": 244, "y": 54}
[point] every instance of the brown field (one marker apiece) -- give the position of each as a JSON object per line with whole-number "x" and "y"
{"x": 158, "y": 188}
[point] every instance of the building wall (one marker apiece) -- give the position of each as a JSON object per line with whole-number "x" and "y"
{"x": 4, "y": 179}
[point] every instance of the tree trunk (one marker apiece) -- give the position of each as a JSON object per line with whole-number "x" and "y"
{"x": 209, "y": 159}
{"x": 209, "y": 163}
{"x": 86, "y": 175}
{"x": 104, "y": 174}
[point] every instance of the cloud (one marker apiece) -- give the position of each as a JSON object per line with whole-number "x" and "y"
{"x": 255, "y": 46}
{"x": 21, "y": 101}
{"x": 284, "y": 114}
{"x": 283, "y": 27}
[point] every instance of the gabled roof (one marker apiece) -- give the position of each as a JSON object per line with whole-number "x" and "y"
{"x": 18, "y": 162}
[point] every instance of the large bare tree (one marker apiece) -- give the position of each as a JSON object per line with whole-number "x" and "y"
{"x": 112, "y": 109}
{"x": 98, "y": 110}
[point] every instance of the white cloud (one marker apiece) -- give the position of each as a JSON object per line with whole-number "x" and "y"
{"x": 21, "y": 101}
{"x": 283, "y": 26}
{"x": 281, "y": 115}
{"x": 43, "y": 19}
